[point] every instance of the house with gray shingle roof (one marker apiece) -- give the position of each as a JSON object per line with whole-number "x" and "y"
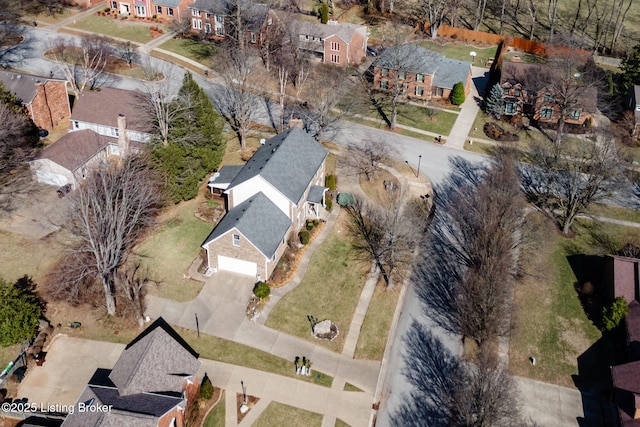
{"x": 150, "y": 385}
{"x": 270, "y": 197}
{"x": 335, "y": 42}
{"x": 419, "y": 73}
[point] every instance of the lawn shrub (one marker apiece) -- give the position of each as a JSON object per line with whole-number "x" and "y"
{"x": 330, "y": 182}
{"x": 304, "y": 237}
{"x": 494, "y": 131}
{"x": 309, "y": 224}
{"x": 262, "y": 290}
{"x": 206, "y": 389}
{"x": 328, "y": 203}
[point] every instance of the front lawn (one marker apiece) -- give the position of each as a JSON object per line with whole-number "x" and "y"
{"x": 375, "y": 328}
{"x": 215, "y": 418}
{"x": 278, "y": 415}
{"x": 549, "y": 321}
{"x": 195, "y": 50}
{"x": 121, "y": 28}
{"x": 330, "y": 290}
{"x": 171, "y": 247}
{"x": 432, "y": 120}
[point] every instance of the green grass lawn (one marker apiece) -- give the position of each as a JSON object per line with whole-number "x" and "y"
{"x": 460, "y": 51}
{"x": 332, "y": 271}
{"x": 169, "y": 250}
{"x": 124, "y": 29}
{"x": 440, "y": 122}
{"x": 49, "y": 18}
{"x": 215, "y": 418}
{"x": 351, "y": 387}
{"x": 377, "y": 321}
{"x": 278, "y": 415}
{"x": 623, "y": 214}
{"x": 198, "y": 51}
{"x": 550, "y": 322}
{"x": 340, "y": 423}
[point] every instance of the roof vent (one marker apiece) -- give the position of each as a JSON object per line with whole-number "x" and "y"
{"x": 273, "y": 150}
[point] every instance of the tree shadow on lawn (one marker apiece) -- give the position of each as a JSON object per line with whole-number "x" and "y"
{"x": 590, "y": 285}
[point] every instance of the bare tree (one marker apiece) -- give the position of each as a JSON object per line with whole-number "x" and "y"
{"x": 447, "y": 391}
{"x": 182, "y": 26}
{"x": 82, "y": 61}
{"x": 365, "y": 158}
{"x": 383, "y": 235}
{"x": 236, "y": 100}
{"x": 565, "y": 179}
{"x": 464, "y": 274}
{"x": 107, "y": 215}
{"x": 427, "y": 11}
{"x": 133, "y": 283}
{"x": 319, "y": 116}
{"x": 18, "y": 140}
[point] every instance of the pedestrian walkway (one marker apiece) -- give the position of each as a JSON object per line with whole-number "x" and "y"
{"x": 470, "y": 108}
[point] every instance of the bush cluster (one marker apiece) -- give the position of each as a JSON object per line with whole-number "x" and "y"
{"x": 304, "y": 237}
{"x": 493, "y": 131}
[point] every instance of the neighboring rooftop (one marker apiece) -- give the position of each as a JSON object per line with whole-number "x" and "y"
{"x": 75, "y": 148}
{"x": 103, "y": 107}
{"x": 259, "y": 220}
{"x": 224, "y": 176}
{"x": 288, "y": 161}
{"x": 415, "y": 59}
{"x": 344, "y": 31}
{"x": 23, "y": 86}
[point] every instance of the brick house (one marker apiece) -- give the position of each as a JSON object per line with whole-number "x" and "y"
{"x": 210, "y": 18}
{"x": 164, "y": 10}
{"x": 45, "y": 99}
{"x": 103, "y": 123}
{"x": 269, "y": 198}
{"x": 524, "y": 92}
{"x": 423, "y": 73}
{"x": 622, "y": 277}
{"x": 150, "y": 384}
{"x": 334, "y": 43}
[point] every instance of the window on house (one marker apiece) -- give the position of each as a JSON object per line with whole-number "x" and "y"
{"x": 220, "y": 19}
{"x": 269, "y": 21}
{"x": 335, "y": 46}
{"x": 511, "y": 108}
{"x": 236, "y": 240}
{"x": 207, "y": 16}
{"x": 575, "y": 114}
{"x": 518, "y": 91}
{"x": 384, "y": 72}
{"x": 84, "y": 173}
{"x": 402, "y": 75}
{"x": 419, "y": 91}
{"x": 549, "y": 98}
{"x": 159, "y": 10}
{"x": 219, "y": 30}
{"x": 114, "y": 5}
{"x": 207, "y": 28}
{"x": 253, "y": 37}
{"x": 505, "y": 91}
{"x": 194, "y": 23}
{"x": 199, "y": 24}
{"x": 384, "y": 84}
{"x": 439, "y": 91}
{"x": 195, "y": 12}
{"x": 546, "y": 113}
{"x": 170, "y": 11}
{"x": 76, "y": 124}
{"x": 420, "y": 78}
{"x": 116, "y": 132}
{"x": 335, "y": 59}
{"x": 141, "y": 11}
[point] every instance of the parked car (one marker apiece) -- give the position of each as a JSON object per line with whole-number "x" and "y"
{"x": 64, "y": 190}
{"x": 371, "y": 51}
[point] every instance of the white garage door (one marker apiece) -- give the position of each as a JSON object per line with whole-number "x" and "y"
{"x": 51, "y": 178}
{"x": 237, "y": 266}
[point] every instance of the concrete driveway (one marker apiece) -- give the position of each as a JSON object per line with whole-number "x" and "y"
{"x": 68, "y": 367}
{"x": 220, "y": 306}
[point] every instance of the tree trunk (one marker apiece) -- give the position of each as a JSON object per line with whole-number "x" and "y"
{"x": 394, "y": 115}
{"x": 109, "y": 297}
{"x": 560, "y": 129}
{"x": 434, "y": 27}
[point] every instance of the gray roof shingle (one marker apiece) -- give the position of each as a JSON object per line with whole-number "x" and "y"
{"x": 156, "y": 361}
{"x": 259, "y": 220}
{"x": 288, "y": 161}
{"x": 224, "y": 176}
{"x": 23, "y": 86}
{"x": 415, "y": 59}
{"x": 103, "y": 107}
{"x": 345, "y": 31}
{"x": 75, "y": 148}
{"x": 315, "y": 193}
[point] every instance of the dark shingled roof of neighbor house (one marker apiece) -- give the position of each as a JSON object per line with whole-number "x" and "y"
{"x": 23, "y": 86}
{"x": 157, "y": 360}
{"x": 103, "y": 107}
{"x": 169, "y": 3}
{"x": 288, "y": 161}
{"x": 225, "y": 175}
{"x": 75, "y": 148}
{"x": 416, "y": 59}
{"x": 259, "y": 220}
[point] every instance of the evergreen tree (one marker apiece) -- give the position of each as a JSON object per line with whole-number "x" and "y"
{"x": 324, "y": 13}
{"x": 19, "y": 312}
{"x": 195, "y": 144}
{"x": 494, "y": 105}
{"x": 630, "y": 70}
{"x": 457, "y": 94}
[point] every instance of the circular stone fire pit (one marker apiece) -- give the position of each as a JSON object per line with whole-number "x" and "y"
{"x": 325, "y": 330}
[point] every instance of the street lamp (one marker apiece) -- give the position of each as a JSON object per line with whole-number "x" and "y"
{"x": 473, "y": 56}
